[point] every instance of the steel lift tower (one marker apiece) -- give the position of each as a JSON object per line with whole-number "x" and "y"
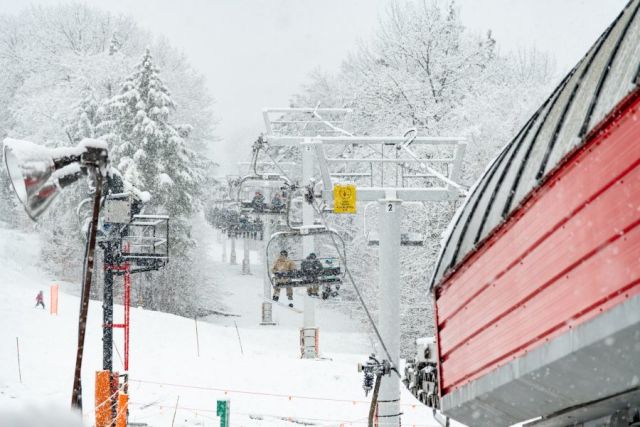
{"x": 390, "y": 171}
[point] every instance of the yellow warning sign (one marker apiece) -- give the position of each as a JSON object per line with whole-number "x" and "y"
{"x": 344, "y": 198}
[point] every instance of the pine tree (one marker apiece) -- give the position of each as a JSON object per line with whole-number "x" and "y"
{"x": 151, "y": 154}
{"x": 85, "y": 118}
{"x": 148, "y": 149}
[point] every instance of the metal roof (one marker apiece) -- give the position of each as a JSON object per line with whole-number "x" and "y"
{"x": 604, "y": 76}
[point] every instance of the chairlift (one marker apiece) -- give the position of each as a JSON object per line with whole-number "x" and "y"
{"x": 327, "y": 271}
{"x": 258, "y": 204}
{"x": 241, "y": 226}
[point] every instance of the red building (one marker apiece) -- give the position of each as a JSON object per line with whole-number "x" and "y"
{"x": 537, "y": 289}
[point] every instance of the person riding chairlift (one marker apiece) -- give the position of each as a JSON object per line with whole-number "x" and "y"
{"x": 311, "y": 268}
{"x": 276, "y": 202}
{"x": 258, "y": 203}
{"x": 326, "y": 289}
{"x": 283, "y": 264}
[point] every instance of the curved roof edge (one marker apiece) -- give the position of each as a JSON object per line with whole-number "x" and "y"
{"x": 606, "y": 75}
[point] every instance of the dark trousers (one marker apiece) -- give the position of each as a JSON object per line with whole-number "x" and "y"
{"x": 40, "y": 303}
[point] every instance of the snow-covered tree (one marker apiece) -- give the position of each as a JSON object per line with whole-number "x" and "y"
{"x": 151, "y": 153}
{"x": 424, "y": 70}
{"x": 85, "y": 119}
{"x": 148, "y": 149}
{"x": 58, "y": 65}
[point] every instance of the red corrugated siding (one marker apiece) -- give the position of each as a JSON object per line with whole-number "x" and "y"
{"x": 571, "y": 252}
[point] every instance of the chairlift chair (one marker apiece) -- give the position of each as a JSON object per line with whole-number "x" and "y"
{"x": 261, "y": 181}
{"x": 332, "y": 272}
{"x": 327, "y": 276}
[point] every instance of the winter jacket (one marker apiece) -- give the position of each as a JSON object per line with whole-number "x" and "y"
{"x": 39, "y": 297}
{"x": 311, "y": 267}
{"x": 283, "y": 264}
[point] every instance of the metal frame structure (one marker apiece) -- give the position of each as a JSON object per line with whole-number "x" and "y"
{"x": 267, "y": 179}
{"x": 131, "y": 243}
{"x": 296, "y": 123}
{"x": 404, "y": 155}
{"x": 298, "y": 278}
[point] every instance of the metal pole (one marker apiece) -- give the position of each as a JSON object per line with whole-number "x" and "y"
{"x": 267, "y": 318}
{"x": 232, "y": 255}
{"x": 390, "y": 286}
{"x": 308, "y": 241}
{"x": 224, "y": 246}
{"x": 127, "y": 323}
{"x": 107, "y": 308}
{"x": 76, "y": 394}
{"x": 246, "y": 262}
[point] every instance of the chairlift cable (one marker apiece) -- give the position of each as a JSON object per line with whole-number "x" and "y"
{"x": 358, "y": 293}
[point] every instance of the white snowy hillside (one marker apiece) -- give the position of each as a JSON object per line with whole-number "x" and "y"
{"x": 257, "y": 368}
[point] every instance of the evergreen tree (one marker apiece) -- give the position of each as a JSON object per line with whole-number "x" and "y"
{"x": 85, "y": 118}
{"x": 151, "y": 154}
{"x": 149, "y": 150}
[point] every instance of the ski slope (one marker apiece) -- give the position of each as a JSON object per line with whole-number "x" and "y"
{"x": 258, "y": 368}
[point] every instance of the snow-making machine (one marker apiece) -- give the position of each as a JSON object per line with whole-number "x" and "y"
{"x": 537, "y": 287}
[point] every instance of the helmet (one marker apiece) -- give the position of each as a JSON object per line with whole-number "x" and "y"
{"x": 284, "y": 253}
{"x": 312, "y": 255}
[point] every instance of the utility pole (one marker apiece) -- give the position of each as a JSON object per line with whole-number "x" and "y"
{"x": 389, "y": 303}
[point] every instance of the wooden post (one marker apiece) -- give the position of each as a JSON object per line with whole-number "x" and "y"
{"x": 239, "y": 340}
{"x": 195, "y": 319}
{"x": 174, "y": 411}
{"x": 19, "y": 369}
{"x": 53, "y": 301}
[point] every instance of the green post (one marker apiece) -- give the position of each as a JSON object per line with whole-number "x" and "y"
{"x": 222, "y": 410}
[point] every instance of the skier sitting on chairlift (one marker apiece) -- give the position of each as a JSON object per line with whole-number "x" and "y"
{"x": 326, "y": 289}
{"x": 311, "y": 268}
{"x": 258, "y": 203}
{"x": 276, "y": 203}
{"x": 283, "y": 264}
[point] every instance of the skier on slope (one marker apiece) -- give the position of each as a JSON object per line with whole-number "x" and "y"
{"x": 283, "y": 264}
{"x": 311, "y": 268}
{"x": 40, "y": 300}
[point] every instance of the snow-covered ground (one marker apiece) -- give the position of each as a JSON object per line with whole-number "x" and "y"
{"x": 258, "y": 368}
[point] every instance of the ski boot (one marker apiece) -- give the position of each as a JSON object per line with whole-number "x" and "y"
{"x": 275, "y": 298}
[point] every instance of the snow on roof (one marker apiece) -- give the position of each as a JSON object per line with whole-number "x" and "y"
{"x": 606, "y": 74}
{"x": 93, "y": 143}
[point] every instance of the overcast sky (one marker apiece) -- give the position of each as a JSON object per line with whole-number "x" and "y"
{"x": 256, "y": 53}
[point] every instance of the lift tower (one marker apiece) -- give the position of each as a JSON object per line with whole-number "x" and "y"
{"x": 390, "y": 171}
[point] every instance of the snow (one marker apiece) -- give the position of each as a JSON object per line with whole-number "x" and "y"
{"x": 93, "y": 143}
{"x": 263, "y": 376}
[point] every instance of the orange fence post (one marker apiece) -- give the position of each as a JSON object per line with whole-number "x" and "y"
{"x": 103, "y": 401}
{"x": 53, "y": 305}
{"x": 123, "y": 407}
